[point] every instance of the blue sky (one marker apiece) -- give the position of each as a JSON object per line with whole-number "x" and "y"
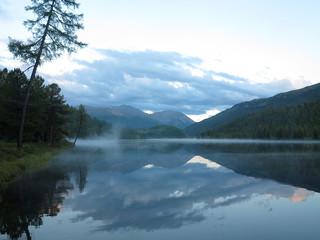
{"x": 194, "y": 56}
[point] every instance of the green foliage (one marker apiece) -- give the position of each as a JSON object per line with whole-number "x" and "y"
{"x": 53, "y": 31}
{"x": 49, "y": 118}
{"x": 160, "y": 131}
{"x": 13, "y": 86}
{"x": 290, "y": 122}
{"x": 47, "y": 109}
{"x": 81, "y": 124}
{"x": 14, "y": 161}
{"x": 24, "y": 202}
{"x": 291, "y": 98}
{"x": 293, "y": 164}
{"x": 57, "y": 113}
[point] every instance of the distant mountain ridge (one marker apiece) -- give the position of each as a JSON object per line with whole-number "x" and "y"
{"x": 283, "y": 99}
{"x": 174, "y": 118}
{"x": 130, "y": 117}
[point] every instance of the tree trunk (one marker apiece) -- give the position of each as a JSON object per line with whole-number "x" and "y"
{"x": 77, "y": 136}
{"x": 51, "y": 135}
{"x": 25, "y": 104}
{"x": 33, "y": 75}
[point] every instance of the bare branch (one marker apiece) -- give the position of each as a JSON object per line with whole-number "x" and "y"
{"x": 28, "y": 68}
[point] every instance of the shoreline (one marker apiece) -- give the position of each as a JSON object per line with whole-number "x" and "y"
{"x": 14, "y": 162}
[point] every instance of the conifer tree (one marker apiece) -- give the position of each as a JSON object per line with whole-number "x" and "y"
{"x": 53, "y": 32}
{"x": 81, "y": 123}
{"x": 12, "y": 90}
{"x": 57, "y": 112}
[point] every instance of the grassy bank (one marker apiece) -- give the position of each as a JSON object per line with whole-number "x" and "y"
{"x": 14, "y": 162}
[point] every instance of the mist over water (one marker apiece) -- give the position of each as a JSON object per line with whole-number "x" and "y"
{"x": 170, "y": 188}
{"x": 113, "y": 139}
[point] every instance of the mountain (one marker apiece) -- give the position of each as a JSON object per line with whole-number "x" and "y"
{"x": 283, "y": 99}
{"x": 130, "y": 117}
{"x": 124, "y": 116}
{"x": 288, "y": 122}
{"x": 173, "y": 118}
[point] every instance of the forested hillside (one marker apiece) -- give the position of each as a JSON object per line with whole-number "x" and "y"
{"x": 81, "y": 124}
{"x": 290, "y": 122}
{"x": 160, "y": 131}
{"x": 294, "y": 97}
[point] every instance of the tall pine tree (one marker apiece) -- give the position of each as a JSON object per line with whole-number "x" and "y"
{"x": 53, "y": 32}
{"x": 57, "y": 112}
{"x": 12, "y": 90}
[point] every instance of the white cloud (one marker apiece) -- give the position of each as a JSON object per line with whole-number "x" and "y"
{"x": 68, "y": 64}
{"x": 72, "y": 85}
{"x": 177, "y": 194}
{"x": 155, "y": 81}
{"x": 200, "y": 117}
{"x": 201, "y": 160}
{"x": 4, "y": 50}
{"x": 176, "y": 84}
{"x": 6, "y": 58}
{"x": 149, "y": 166}
{"x": 241, "y": 43}
{"x": 158, "y": 81}
{"x": 148, "y": 111}
{"x": 60, "y": 67}
{"x": 89, "y": 55}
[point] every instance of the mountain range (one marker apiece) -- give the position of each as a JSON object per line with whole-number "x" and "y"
{"x": 130, "y": 117}
{"x": 294, "y": 97}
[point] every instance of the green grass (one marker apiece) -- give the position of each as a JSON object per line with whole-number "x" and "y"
{"x": 14, "y": 162}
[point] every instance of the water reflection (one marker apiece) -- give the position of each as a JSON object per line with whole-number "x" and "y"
{"x": 294, "y": 164}
{"x": 30, "y": 198}
{"x": 156, "y": 198}
{"x": 149, "y": 185}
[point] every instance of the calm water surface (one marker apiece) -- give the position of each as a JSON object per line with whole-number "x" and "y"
{"x": 156, "y": 189}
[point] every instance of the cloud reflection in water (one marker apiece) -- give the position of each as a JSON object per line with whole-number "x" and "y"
{"x": 153, "y": 197}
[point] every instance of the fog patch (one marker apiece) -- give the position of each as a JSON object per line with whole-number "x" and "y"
{"x": 99, "y": 142}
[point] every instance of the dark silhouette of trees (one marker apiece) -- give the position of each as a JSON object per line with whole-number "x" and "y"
{"x": 49, "y": 118}
{"x": 291, "y": 122}
{"x": 159, "y": 131}
{"x": 13, "y": 85}
{"x": 57, "y": 113}
{"x": 81, "y": 124}
{"x": 48, "y": 111}
{"x": 53, "y": 32}
{"x": 30, "y": 198}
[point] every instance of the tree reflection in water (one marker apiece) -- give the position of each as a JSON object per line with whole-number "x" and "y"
{"x": 34, "y": 195}
{"x": 135, "y": 194}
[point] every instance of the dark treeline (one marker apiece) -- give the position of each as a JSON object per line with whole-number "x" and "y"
{"x": 81, "y": 125}
{"x": 49, "y": 119}
{"x": 159, "y": 131}
{"x": 47, "y": 109}
{"x": 291, "y": 122}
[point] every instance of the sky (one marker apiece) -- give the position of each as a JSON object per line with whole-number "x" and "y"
{"x": 198, "y": 57}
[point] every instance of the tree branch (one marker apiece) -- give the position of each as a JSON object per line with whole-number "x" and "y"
{"x": 28, "y": 68}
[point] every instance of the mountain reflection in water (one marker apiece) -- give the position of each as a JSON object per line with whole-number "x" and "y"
{"x": 153, "y": 185}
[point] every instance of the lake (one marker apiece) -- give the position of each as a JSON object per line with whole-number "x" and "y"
{"x": 169, "y": 189}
